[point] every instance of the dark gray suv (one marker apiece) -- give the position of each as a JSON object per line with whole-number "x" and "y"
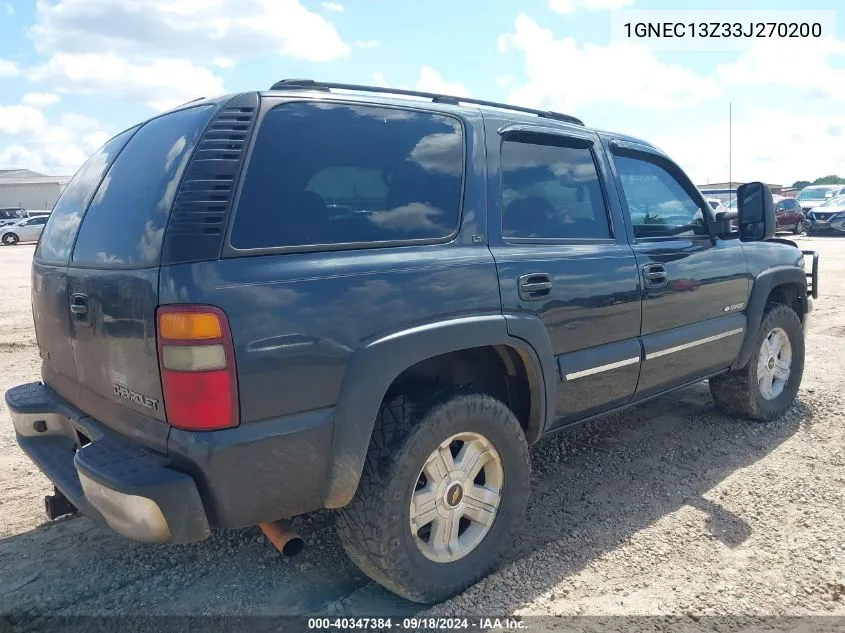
{"x": 333, "y": 296}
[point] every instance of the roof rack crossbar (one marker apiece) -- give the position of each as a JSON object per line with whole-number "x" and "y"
{"x": 310, "y": 84}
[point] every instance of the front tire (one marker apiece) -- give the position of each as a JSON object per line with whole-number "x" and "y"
{"x": 800, "y": 227}
{"x": 444, "y": 487}
{"x": 766, "y": 387}
{"x": 10, "y": 239}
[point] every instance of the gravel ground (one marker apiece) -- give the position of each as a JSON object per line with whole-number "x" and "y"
{"x": 668, "y": 509}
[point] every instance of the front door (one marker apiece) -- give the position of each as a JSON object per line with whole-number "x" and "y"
{"x": 695, "y": 287}
{"x": 560, "y": 257}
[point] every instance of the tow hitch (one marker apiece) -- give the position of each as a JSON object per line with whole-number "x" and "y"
{"x": 57, "y": 505}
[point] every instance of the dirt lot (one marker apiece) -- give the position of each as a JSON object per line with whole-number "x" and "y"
{"x": 667, "y": 509}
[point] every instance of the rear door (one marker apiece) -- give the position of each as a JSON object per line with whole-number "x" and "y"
{"x": 49, "y": 269}
{"x": 560, "y": 256}
{"x": 113, "y": 276}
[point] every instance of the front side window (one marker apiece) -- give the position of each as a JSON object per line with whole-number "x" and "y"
{"x": 551, "y": 191}
{"x": 657, "y": 202}
{"x": 331, "y": 173}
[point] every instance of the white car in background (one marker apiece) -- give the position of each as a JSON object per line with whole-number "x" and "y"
{"x": 716, "y": 205}
{"x": 28, "y": 230}
{"x": 814, "y": 195}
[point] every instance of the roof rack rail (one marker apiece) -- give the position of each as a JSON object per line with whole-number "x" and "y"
{"x": 310, "y": 84}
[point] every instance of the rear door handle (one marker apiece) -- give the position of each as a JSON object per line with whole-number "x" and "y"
{"x": 655, "y": 275}
{"x": 79, "y": 308}
{"x": 534, "y": 286}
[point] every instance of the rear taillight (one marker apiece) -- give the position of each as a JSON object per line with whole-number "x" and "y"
{"x": 197, "y": 363}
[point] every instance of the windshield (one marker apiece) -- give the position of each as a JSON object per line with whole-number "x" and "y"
{"x": 838, "y": 201}
{"x": 815, "y": 194}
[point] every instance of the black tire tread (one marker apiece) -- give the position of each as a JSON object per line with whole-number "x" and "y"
{"x": 366, "y": 527}
{"x": 736, "y": 393}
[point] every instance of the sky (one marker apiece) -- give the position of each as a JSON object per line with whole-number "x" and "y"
{"x": 73, "y": 73}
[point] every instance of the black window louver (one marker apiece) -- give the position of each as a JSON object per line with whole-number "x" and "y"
{"x": 201, "y": 210}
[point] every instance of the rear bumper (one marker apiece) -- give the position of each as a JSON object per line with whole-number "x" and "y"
{"x": 233, "y": 478}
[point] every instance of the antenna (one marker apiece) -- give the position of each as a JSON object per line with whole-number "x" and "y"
{"x": 730, "y": 150}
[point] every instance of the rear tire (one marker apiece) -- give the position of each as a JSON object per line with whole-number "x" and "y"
{"x": 410, "y": 436}
{"x": 800, "y": 227}
{"x": 10, "y": 239}
{"x": 766, "y": 387}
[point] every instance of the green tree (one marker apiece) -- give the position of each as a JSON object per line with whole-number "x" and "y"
{"x": 800, "y": 184}
{"x": 829, "y": 180}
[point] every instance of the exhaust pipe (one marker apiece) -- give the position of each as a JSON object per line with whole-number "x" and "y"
{"x": 280, "y": 534}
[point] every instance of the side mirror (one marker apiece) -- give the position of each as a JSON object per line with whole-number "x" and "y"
{"x": 722, "y": 226}
{"x": 756, "y": 212}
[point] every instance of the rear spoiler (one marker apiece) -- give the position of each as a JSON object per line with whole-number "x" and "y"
{"x": 813, "y": 275}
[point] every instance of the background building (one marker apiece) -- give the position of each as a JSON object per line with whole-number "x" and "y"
{"x": 29, "y": 189}
{"x": 725, "y": 190}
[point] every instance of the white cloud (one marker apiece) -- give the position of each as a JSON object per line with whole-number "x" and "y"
{"x": 429, "y": 81}
{"x": 570, "y": 6}
{"x": 332, "y": 6}
{"x": 161, "y": 83}
{"x": 367, "y": 43}
{"x": 50, "y": 145}
{"x": 20, "y": 119}
{"x": 8, "y": 69}
{"x": 379, "y": 80}
{"x": 805, "y": 149}
{"x": 10, "y": 10}
{"x": 162, "y": 52}
{"x": 223, "y": 62}
{"x": 40, "y": 99}
{"x": 804, "y": 66}
{"x": 565, "y": 75}
{"x": 187, "y": 29}
{"x": 432, "y": 81}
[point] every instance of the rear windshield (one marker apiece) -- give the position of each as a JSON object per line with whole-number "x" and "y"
{"x": 125, "y": 222}
{"x": 338, "y": 174}
{"x": 57, "y": 238}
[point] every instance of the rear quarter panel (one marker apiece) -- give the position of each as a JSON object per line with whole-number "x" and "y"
{"x": 297, "y": 318}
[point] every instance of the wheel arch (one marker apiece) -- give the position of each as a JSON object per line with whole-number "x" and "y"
{"x": 785, "y": 285}
{"x": 450, "y": 348}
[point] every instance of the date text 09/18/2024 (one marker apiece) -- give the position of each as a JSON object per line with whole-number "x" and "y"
{"x": 416, "y": 624}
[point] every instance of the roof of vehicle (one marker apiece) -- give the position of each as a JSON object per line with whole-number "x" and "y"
{"x": 446, "y": 103}
{"x": 808, "y": 187}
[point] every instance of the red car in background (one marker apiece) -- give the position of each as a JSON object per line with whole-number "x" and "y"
{"x": 788, "y": 212}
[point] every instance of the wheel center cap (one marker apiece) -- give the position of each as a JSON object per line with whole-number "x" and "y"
{"x": 454, "y": 495}
{"x": 771, "y": 363}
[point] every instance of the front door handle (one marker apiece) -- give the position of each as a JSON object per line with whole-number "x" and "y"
{"x": 534, "y": 286}
{"x": 655, "y": 275}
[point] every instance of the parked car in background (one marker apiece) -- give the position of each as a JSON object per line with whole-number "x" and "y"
{"x": 12, "y": 215}
{"x": 716, "y": 205}
{"x": 28, "y": 230}
{"x": 815, "y": 195}
{"x": 789, "y": 215}
{"x": 828, "y": 217}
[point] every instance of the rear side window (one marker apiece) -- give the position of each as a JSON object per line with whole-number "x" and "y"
{"x": 551, "y": 190}
{"x": 57, "y": 237}
{"x": 125, "y": 222}
{"x": 328, "y": 174}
